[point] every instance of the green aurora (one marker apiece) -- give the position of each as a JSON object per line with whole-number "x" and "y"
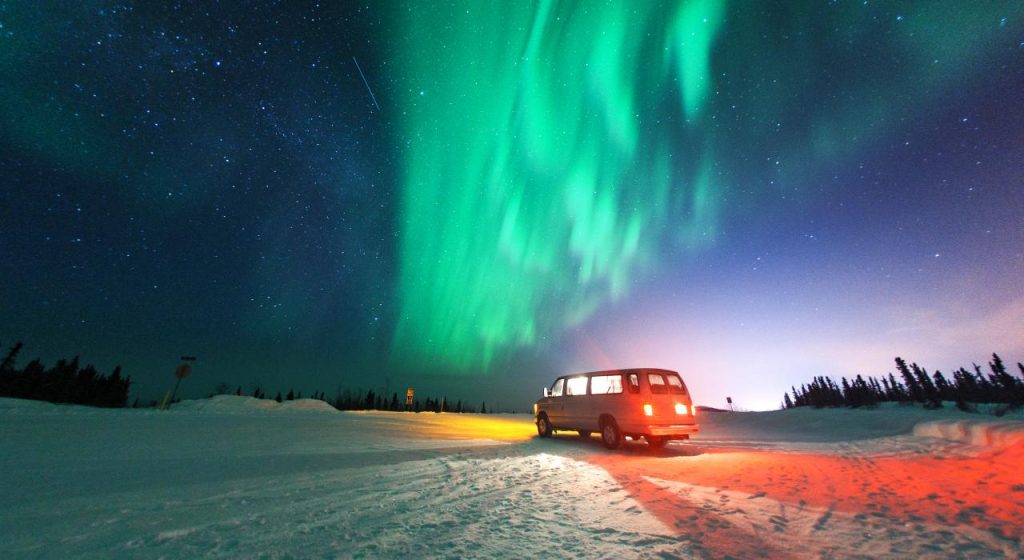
{"x": 555, "y": 151}
{"x": 537, "y": 173}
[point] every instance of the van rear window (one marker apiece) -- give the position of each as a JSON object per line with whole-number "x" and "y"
{"x": 657, "y": 383}
{"x": 605, "y": 384}
{"x": 675, "y": 385}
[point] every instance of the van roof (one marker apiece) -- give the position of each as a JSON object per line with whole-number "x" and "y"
{"x": 622, "y": 370}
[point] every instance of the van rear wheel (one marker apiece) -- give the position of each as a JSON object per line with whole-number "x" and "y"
{"x": 543, "y": 426}
{"x": 656, "y": 442}
{"x": 611, "y": 437}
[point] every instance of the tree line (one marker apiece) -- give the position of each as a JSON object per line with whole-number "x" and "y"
{"x": 355, "y": 400}
{"x": 65, "y": 382}
{"x": 70, "y": 383}
{"x": 915, "y": 384}
{"x": 349, "y": 399}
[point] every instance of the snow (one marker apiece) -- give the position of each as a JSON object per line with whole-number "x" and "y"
{"x": 974, "y": 432}
{"x": 231, "y": 404}
{"x": 235, "y": 476}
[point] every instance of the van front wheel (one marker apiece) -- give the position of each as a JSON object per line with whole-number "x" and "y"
{"x": 611, "y": 437}
{"x": 543, "y": 426}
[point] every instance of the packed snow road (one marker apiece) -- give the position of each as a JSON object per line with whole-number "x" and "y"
{"x": 235, "y": 477}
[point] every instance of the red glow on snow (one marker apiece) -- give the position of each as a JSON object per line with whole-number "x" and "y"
{"x": 695, "y": 492}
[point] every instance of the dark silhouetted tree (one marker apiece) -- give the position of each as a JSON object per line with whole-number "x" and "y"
{"x": 12, "y": 355}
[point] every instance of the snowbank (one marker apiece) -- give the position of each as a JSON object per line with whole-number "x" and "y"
{"x": 806, "y": 424}
{"x": 234, "y": 404}
{"x": 9, "y": 405}
{"x": 974, "y": 432}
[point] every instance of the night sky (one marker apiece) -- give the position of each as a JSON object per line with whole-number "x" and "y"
{"x": 474, "y": 197}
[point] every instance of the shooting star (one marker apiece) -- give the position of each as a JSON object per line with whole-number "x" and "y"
{"x": 372, "y": 96}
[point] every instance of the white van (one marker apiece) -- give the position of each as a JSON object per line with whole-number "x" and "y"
{"x": 647, "y": 402}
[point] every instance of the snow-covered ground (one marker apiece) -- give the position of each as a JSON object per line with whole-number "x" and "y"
{"x": 236, "y": 477}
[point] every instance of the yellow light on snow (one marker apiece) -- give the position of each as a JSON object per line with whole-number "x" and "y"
{"x": 648, "y": 410}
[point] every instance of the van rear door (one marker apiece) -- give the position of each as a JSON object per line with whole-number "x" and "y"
{"x": 670, "y": 402}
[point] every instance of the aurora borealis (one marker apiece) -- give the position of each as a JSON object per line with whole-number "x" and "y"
{"x": 556, "y": 192}
{"x": 748, "y": 194}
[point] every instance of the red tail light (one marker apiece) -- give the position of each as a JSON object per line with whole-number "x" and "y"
{"x": 648, "y": 410}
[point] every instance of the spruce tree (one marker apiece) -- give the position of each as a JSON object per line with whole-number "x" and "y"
{"x": 12, "y": 355}
{"x": 913, "y": 387}
{"x": 942, "y": 386}
{"x": 987, "y": 392}
{"x": 931, "y": 395}
{"x": 898, "y": 391}
{"x": 848, "y": 397}
{"x": 1012, "y": 391}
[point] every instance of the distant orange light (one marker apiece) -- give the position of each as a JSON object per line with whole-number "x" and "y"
{"x": 680, "y": 408}
{"x": 648, "y": 410}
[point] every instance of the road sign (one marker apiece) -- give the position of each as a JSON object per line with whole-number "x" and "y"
{"x": 408, "y": 397}
{"x": 182, "y": 371}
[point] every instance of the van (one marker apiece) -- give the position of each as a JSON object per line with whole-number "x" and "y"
{"x": 634, "y": 403}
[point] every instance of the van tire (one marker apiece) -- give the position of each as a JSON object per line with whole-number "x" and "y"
{"x": 656, "y": 442}
{"x": 611, "y": 436}
{"x": 544, "y": 426}
{"x": 584, "y": 434}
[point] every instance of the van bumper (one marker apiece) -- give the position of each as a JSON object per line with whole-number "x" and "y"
{"x": 671, "y": 430}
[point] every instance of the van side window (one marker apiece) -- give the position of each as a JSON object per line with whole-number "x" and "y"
{"x": 556, "y": 389}
{"x": 675, "y": 385}
{"x": 576, "y": 385}
{"x": 606, "y": 384}
{"x": 634, "y": 383}
{"x": 657, "y": 383}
